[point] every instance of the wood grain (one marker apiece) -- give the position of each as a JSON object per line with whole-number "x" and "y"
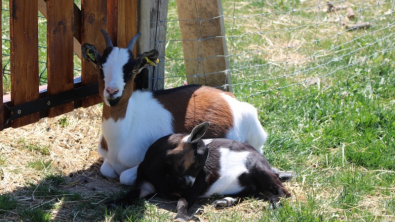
{"x": 205, "y": 57}
{"x": 60, "y": 63}
{"x": 42, "y": 7}
{"x": 24, "y": 56}
{"x": 127, "y": 22}
{"x": 94, "y": 17}
{"x": 158, "y": 30}
{"x": 112, "y": 20}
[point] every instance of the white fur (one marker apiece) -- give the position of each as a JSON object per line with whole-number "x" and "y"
{"x": 207, "y": 141}
{"x": 113, "y": 73}
{"x": 190, "y": 180}
{"x": 146, "y": 189}
{"x": 246, "y": 125}
{"x": 128, "y": 139}
{"x": 186, "y": 139}
{"x": 232, "y": 165}
{"x": 128, "y": 177}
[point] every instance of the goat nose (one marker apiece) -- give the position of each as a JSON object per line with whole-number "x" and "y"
{"x": 112, "y": 91}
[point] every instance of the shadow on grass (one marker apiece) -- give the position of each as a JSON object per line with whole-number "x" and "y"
{"x": 80, "y": 196}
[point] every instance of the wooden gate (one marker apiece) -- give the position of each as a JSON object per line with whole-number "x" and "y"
{"x": 67, "y": 27}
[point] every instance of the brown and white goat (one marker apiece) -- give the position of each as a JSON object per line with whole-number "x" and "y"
{"x": 133, "y": 120}
{"x": 187, "y": 167}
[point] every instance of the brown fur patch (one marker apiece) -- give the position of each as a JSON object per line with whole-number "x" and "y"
{"x": 182, "y": 156}
{"x": 193, "y": 105}
{"x": 103, "y": 144}
{"x": 118, "y": 111}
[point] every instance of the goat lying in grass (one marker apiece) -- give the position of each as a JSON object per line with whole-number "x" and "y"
{"x": 134, "y": 119}
{"x": 187, "y": 167}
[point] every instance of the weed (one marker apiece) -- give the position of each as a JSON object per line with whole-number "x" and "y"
{"x": 7, "y": 203}
{"x": 40, "y": 165}
{"x": 34, "y": 148}
{"x": 36, "y": 215}
{"x": 55, "y": 180}
{"x": 63, "y": 122}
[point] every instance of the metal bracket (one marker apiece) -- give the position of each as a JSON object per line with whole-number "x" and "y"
{"x": 51, "y": 101}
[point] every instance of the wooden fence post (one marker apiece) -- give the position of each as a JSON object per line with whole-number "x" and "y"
{"x": 94, "y": 17}
{"x": 202, "y": 28}
{"x": 24, "y": 56}
{"x": 60, "y": 51}
{"x": 157, "y": 39}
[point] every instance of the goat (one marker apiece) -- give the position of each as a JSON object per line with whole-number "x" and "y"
{"x": 134, "y": 119}
{"x": 187, "y": 167}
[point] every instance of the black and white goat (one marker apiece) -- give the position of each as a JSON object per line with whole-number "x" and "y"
{"x": 187, "y": 167}
{"x": 133, "y": 119}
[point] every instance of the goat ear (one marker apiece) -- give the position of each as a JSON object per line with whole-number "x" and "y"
{"x": 146, "y": 59}
{"x": 90, "y": 53}
{"x": 198, "y": 132}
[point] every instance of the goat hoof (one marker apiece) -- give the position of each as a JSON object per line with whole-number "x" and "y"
{"x": 181, "y": 217}
{"x": 225, "y": 202}
{"x": 220, "y": 203}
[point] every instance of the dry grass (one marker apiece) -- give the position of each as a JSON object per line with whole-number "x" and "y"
{"x": 73, "y": 156}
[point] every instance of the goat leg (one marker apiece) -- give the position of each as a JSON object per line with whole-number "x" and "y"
{"x": 225, "y": 202}
{"x": 182, "y": 210}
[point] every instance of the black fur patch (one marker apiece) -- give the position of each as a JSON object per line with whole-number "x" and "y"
{"x": 128, "y": 68}
{"x": 114, "y": 102}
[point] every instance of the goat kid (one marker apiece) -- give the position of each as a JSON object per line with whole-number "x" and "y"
{"x": 187, "y": 167}
{"x": 133, "y": 120}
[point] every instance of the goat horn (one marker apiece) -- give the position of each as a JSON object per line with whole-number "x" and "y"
{"x": 106, "y": 38}
{"x": 133, "y": 41}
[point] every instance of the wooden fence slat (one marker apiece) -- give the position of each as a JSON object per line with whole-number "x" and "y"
{"x": 24, "y": 56}
{"x": 94, "y": 17}
{"x": 158, "y": 28}
{"x": 60, "y": 51}
{"x": 208, "y": 30}
{"x": 77, "y": 23}
{"x": 127, "y": 22}
{"x": 42, "y": 7}
{"x": 112, "y": 20}
{"x": 1, "y": 79}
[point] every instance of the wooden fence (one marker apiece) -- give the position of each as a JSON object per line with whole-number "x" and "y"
{"x": 68, "y": 26}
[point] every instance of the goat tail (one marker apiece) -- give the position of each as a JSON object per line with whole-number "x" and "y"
{"x": 257, "y": 135}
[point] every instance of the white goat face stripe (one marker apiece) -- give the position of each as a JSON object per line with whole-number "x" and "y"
{"x": 113, "y": 71}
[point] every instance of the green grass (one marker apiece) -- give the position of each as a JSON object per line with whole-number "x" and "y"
{"x": 44, "y": 150}
{"x": 63, "y": 122}
{"x": 36, "y": 215}
{"x": 7, "y": 203}
{"x": 40, "y": 165}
